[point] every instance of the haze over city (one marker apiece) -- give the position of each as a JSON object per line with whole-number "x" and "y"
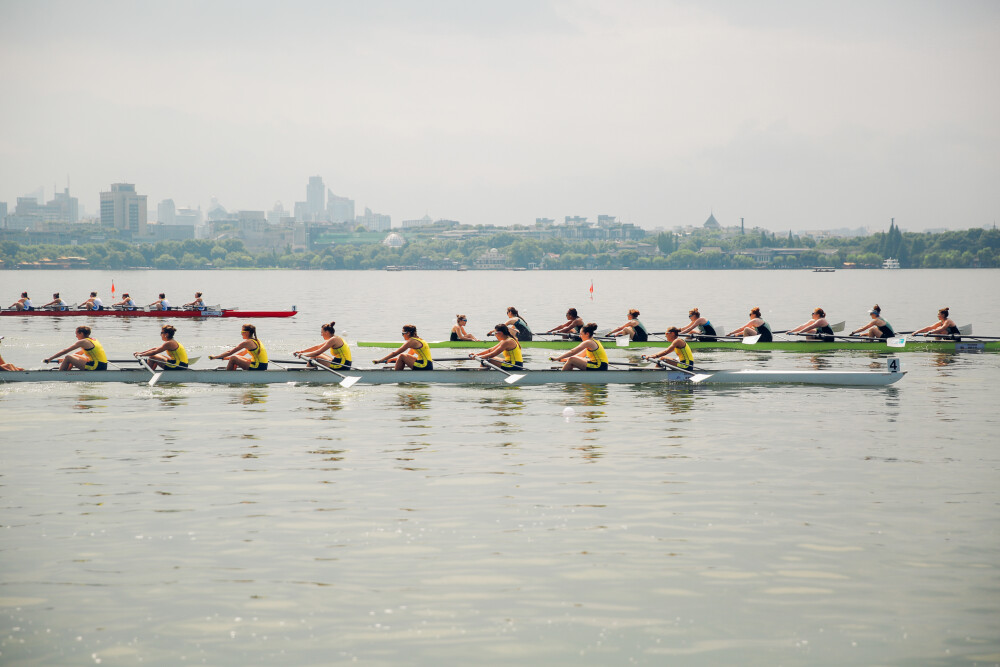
{"x": 792, "y": 115}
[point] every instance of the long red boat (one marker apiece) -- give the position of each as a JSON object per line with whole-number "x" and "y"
{"x": 207, "y": 314}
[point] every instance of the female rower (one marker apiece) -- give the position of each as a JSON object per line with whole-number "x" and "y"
{"x": 340, "y": 353}
{"x": 516, "y": 326}
{"x": 90, "y": 358}
{"x": 57, "y": 303}
{"x": 878, "y": 327}
{"x": 705, "y": 329}
{"x": 197, "y": 304}
{"x": 633, "y": 328}
{"x": 161, "y": 303}
{"x": 685, "y": 360}
{"x": 414, "y": 353}
{"x": 507, "y": 345}
{"x": 176, "y": 356}
{"x": 7, "y": 366}
{"x": 93, "y": 303}
{"x": 24, "y": 303}
{"x": 818, "y": 326}
{"x": 127, "y": 303}
{"x": 756, "y": 326}
{"x": 589, "y": 355}
{"x": 571, "y": 329}
{"x": 458, "y": 331}
{"x": 944, "y": 327}
{"x": 253, "y": 347}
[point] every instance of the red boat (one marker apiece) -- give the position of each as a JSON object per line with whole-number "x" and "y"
{"x": 208, "y": 313}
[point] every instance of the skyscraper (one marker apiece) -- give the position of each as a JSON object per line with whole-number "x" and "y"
{"x": 123, "y": 209}
{"x": 316, "y": 197}
{"x": 166, "y": 212}
{"x": 339, "y": 209}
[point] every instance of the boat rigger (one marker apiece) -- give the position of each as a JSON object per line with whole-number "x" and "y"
{"x": 912, "y": 345}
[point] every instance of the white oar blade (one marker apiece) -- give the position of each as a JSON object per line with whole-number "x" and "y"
{"x": 750, "y": 340}
{"x": 622, "y": 341}
{"x": 156, "y": 378}
{"x": 896, "y": 342}
{"x": 511, "y": 379}
{"x": 349, "y": 381}
{"x": 700, "y": 377}
{"x": 965, "y": 330}
{"x": 838, "y": 327}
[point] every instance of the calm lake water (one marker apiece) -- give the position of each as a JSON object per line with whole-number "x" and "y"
{"x": 433, "y": 525}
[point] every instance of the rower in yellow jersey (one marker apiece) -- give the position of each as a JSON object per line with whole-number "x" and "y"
{"x": 506, "y": 345}
{"x": 339, "y": 350}
{"x": 176, "y": 357}
{"x": 252, "y": 345}
{"x": 685, "y": 360}
{"x": 414, "y": 353}
{"x": 589, "y": 355}
{"x": 90, "y": 358}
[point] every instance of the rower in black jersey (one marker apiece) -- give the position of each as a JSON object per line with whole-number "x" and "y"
{"x": 705, "y": 329}
{"x": 818, "y": 327}
{"x": 878, "y": 327}
{"x": 757, "y": 326}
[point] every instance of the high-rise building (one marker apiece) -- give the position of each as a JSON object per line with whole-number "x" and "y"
{"x": 374, "y": 222}
{"x": 316, "y": 197}
{"x": 66, "y": 207}
{"x": 166, "y": 212}
{"x": 123, "y": 209}
{"x": 339, "y": 209}
{"x": 3, "y": 215}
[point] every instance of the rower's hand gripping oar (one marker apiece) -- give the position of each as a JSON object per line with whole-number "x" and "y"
{"x": 347, "y": 382}
{"x": 511, "y": 377}
{"x": 900, "y": 341}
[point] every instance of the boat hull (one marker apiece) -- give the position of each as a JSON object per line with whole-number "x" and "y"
{"x": 473, "y": 376}
{"x": 785, "y": 346}
{"x": 207, "y": 314}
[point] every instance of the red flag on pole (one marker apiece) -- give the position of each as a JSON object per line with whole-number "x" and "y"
{"x": 112, "y": 287}
{"x": 591, "y": 289}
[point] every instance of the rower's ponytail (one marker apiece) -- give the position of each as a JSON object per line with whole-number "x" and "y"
{"x": 820, "y": 312}
{"x": 251, "y": 329}
{"x": 169, "y": 330}
{"x": 589, "y": 328}
{"x": 943, "y": 311}
{"x": 694, "y": 313}
{"x": 877, "y": 308}
{"x": 329, "y": 328}
{"x": 755, "y": 311}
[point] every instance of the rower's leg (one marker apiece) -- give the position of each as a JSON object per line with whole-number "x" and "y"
{"x": 237, "y": 362}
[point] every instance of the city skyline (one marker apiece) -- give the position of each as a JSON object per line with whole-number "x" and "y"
{"x": 791, "y": 116}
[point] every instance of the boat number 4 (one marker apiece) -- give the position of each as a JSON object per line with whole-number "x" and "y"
{"x": 894, "y": 365}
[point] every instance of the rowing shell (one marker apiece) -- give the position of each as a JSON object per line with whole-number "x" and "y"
{"x": 475, "y": 376}
{"x": 225, "y": 312}
{"x": 912, "y": 345}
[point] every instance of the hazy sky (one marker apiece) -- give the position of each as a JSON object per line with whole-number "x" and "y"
{"x": 798, "y": 114}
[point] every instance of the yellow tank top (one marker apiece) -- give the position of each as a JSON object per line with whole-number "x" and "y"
{"x": 180, "y": 355}
{"x": 343, "y": 352}
{"x": 424, "y": 352}
{"x": 96, "y": 353}
{"x": 259, "y": 355}
{"x": 684, "y": 354}
{"x": 513, "y": 356}
{"x": 599, "y": 355}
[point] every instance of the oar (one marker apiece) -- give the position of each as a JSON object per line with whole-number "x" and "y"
{"x": 693, "y": 375}
{"x": 625, "y": 363}
{"x": 511, "y": 377}
{"x": 156, "y": 374}
{"x": 965, "y": 330}
{"x": 347, "y": 381}
{"x": 191, "y": 361}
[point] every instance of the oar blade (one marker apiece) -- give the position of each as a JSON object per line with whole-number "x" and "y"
{"x": 622, "y": 341}
{"x": 156, "y": 378}
{"x": 965, "y": 330}
{"x": 511, "y": 379}
{"x": 349, "y": 381}
{"x": 750, "y": 340}
{"x": 838, "y": 327}
{"x": 700, "y": 377}
{"x": 896, "y": 342}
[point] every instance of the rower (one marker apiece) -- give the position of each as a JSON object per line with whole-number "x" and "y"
{"x": 57, "y": 303}
{"x": 93, "y": 303}
{"x": 176, "y": 357}
{"x": 337, "y": 346}
{"x": 878, "y": 327}
{"x": 818, "y": 325}
{"x": 589, "y": 355}
{"x": 197, "y": 304}
{"x": 7, "y": 366}
{"x": 633, "y": 328}
{"x": 757, "y": 326}
{"x": 90, "y": 358}
{"x": 252, "y": 345}
{"x": 685, "y": 359}
{"x": 414, "y": 353}
{"x": 516, "y": 326}
{"x": 571, "y": 329}
{"x": 706, "y": 332}
{"x": 507, "y": 345}
{"x": 24, "y": 303}
{"x": 161, "y": 303}
{"x": 127, "y": 303}
{"x": 458, "y": 331}
{"x": 943, "y": 328}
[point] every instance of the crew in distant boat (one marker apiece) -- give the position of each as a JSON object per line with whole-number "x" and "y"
{"x": 507, "y": 345}
{"x": 127, "y": 302}
{"x": 171, "y": 355}
{"x": 633, "y": 328}
{"x": 24, "y": 303}
{"x": 458, "y": 331}
{"x": 161, "y": 303}
{"x": 571, "y": 329}
{"x": 705, "y": 329}
{"x": 878, "y": 327}
{"x": 589, "y": 355}
{"x": 685, "y": 359}
{"x": 7, "y": 366}
{"x": 340, "y": 352}
{"x": 943, "y": 328}
{"x": 756, "y": 326}
{"x": 57, "y": 303}
{"x": 516, "y": 326}
{"x": 414, "y": 353}
{"x": 254, "y": 348}
{"x": 817, "y": 326}
{"x": 90, "y": 358}
{"x": 93, "y": 303}
{"x": 197, "y": 304}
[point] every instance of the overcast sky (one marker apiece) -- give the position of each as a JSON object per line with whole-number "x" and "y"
{"x": 793, "y": 115}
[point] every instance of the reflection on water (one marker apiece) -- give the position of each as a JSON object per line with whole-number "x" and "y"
{"x": 678, "y": 397}
{"x": 941, "y": 360}
{"x": 414, "y": 403}
{"x": 590, "y": 395}
{"x": 506, "y": 404}
{"x": 86, "y": 401}
{"x": 819, "y": 362}
{"x": 253, "y": 396}
{"x": 170, "y": 400}
{"x": 326, "y": 405}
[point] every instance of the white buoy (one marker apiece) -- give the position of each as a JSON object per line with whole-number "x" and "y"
{"x": 568, "y": 413}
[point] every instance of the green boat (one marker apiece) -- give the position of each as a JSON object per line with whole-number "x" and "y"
{"x": 783, "y": 345}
